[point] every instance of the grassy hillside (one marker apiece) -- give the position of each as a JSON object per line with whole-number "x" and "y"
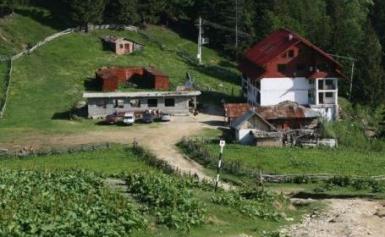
{"x": 52, "y": 79}
{"x": 62, "y": 188}
{"x": 18, "y": 31}
{"x": 3, "y": 73}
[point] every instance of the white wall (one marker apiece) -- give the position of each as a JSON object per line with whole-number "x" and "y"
{"x": 277, "y": 90}
{"x": 244, "y": 137}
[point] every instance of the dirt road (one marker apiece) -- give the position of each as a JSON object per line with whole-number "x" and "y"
{"x": 343, "y": 218}
{"x": 160, "y": 139}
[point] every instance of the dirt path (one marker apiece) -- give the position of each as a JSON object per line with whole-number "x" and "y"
{"x": 343, "y": 218}
{"x": 160, "y": 139}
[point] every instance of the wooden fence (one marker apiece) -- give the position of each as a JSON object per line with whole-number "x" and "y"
{"x": 196, "y": 151}
{"x": 7, "y": 81}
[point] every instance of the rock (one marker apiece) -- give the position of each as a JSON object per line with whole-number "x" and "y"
{"x": 380, "y": 213}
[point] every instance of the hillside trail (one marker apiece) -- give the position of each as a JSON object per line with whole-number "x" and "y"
{"x": 342, "y": 218}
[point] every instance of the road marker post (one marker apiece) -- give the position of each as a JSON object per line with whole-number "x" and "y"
{"x": 222, "y": 144}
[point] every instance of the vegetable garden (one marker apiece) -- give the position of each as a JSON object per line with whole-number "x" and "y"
{"x": 47, "y": 196}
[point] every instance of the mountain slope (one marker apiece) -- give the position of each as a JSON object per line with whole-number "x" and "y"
{"x": 53, "y": 78}
{"x": 18, "y": 31}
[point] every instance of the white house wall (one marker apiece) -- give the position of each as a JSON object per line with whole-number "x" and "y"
{"x": 277, "y": 90}
{"x": 245, "y": 137}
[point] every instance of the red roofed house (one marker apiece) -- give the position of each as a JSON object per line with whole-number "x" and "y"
{"x": 286, "y": 67}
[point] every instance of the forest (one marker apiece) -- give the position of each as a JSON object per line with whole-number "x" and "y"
{"x": 353, "y": 28}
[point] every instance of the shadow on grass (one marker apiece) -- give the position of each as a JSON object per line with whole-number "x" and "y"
{"x": 92, "y": 84}
{"x": 221, "y": 71}
{"x": 41, "y": 16}
{"x": 73, "y": 114}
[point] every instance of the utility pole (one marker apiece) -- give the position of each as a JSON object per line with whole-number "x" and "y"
{"x": 236, "y": 25}
{"x": 353, "y": 60}
{"x": 222, "y": 144}
{"x": 351, "y": 81}
{"x": 199, "y": 55}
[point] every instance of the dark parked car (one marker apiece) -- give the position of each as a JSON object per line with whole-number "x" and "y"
{"x": 113, "y": 119}
{"x": 147, "y": 118}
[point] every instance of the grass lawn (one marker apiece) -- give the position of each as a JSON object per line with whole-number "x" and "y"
{"x": 18, "y": 31}
{"x": 52, "y": 79}
{"x": 108, "y": 161}
{"x": 342, "y": 161}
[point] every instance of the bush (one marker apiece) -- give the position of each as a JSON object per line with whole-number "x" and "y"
{"x": 71, "y": 203}
{"x": 358, "y": 184}
{"x": 169, "y": 199}
{"x": 253, "y": 203}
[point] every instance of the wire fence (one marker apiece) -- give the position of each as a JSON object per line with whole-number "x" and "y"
{"x": 11, "y": 59}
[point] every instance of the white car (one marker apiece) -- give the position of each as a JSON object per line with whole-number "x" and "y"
{"x": 129, "y": 118}
{"x": 165, "y": 117}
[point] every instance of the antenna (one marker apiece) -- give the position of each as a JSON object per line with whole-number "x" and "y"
{"x": 236, "y": 24}
{"x": 353, "y": 60}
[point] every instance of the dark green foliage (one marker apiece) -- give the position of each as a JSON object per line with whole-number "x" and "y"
{"x": 370, "y": 80}
{"x": 122, "y": 11}
{"x": 71, "y": 203}
{"x": 252, "y": 203}
{"x": 169, "y": 200}
{"x": 358, "y": 184}
{"x": 308, "y": 18}
{"x": 152, "y": 10}
{"x": 86, "y": 11}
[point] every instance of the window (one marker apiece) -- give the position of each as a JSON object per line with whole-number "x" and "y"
{"x": 329, "y": 84}
{"x": 169, "y": 102}
{"x": 321, "y": 98}
{"x": 152, "y": 103}
{"x": 282, "y": 67}
{"x": 320, "y": 85}
{"x": 101, "y": 103}
{"x": 135, "y": 103}
{"x": 127, "y": 46}
{"x": 119, "y": 103}
{"x": 329, "y": 95}
{"x": 291, "y": 54}
{"x": 311, "y": 97}
{"x": 121, "y": 46}
{"x": 301, "y": 67}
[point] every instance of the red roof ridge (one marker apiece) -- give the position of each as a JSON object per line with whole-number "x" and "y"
{"x": 271, "y": 46}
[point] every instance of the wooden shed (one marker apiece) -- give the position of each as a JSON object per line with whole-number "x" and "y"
{"x": 121, "y": 45}
{"x": 147, "y": 78}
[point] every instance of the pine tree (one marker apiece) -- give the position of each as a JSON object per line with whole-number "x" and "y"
{"x": 84, "y": 12}
{"x": 122, "y": 11}
{"x": 308, "y": 18}
{"x": 152, "y": 10}
{"x": 369, "y": 84}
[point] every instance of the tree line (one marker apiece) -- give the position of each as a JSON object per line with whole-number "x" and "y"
{"x": 354, "y": 28}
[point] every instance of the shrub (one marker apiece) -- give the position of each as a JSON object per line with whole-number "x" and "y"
{"x": 169, "y": 198}
{"x": 253, "y": 203}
